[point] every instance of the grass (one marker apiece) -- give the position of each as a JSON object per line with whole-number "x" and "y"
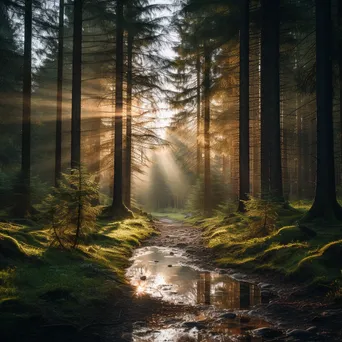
{"x": 310, "y": 253}
{"x": 45, "y": 284}
{"x": 172, "y": 215}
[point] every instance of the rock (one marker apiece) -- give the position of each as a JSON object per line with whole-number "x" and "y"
{"x": 169, "y": 265}
{"x": 194, "y": 324}
{"x": 238, "y": 276}
{"x": 127, "y": 336}
{"x": 245, "y": 319}
{"x": 171, "y": 321}
{"x": 267, "y": 332}
{"x": 156, "y": 260}
{"x": 171, "y": 253}
{"x": 302, "y": 335}
{"x": 228, "y": 315}
{"x": 139, "y": 324}
{"x": 312, "y": 329}
{"x": 143, "y": 278}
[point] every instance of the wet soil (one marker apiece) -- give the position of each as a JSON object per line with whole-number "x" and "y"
{"x": 180, "y": 295}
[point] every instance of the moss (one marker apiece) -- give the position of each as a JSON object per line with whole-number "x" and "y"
{"x": 310, "y": 253}
{"x": 10, "y": 249}
{"x": 64, "y": 285}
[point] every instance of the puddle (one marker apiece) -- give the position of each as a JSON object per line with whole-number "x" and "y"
{"x": 171, "y": 276}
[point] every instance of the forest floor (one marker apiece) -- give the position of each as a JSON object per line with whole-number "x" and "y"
{"x": 82, "y": 296}
{"x": 47, "y": 293}
{"x": 289, "y": 308}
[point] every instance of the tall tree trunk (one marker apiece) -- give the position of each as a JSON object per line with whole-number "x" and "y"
{"x": 24, "y": 205}
{"x": 325, "y": 204}
{"x": 271, "y": 172}
{"x": 128, "y": 183}
{"x": 198, "y": 103}
{"x": 118, "y": 207}
{"x": 299, "y": 149}
{"x": 244, "y": 106}
{"x": 207, "y": 171}
{"x": 58, "y": 149}
{"x": 339, "y": 13}
{"x": 76, "y": 87}
{"x": 256, "y": 119}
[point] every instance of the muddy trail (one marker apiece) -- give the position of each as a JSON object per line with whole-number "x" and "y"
{"x": 179, "y": 295}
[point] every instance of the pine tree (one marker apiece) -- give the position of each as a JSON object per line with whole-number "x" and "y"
{"x": 76, "y": 86}
{"x": 58, "y": 152}
{"x": 325, "y": 204}
{"x": 244, "y": 106}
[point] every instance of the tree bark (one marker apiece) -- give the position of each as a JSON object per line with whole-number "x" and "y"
{"x": 271, "y": 172}
{"x": 118, "y": 207}
{"x": 130, "y": 41}
{"x": 207, "y": 166}
{"x": 76, "y": 87}
{"x": 198, "y": 103}
{"x": 58, "y": 149}
{"x": 325, "y": 204}
{"x": 23, "y": 208}
{"x": 339, "y": 13}
{"x": 299, "y": 149}
{"x": 244, "y": 168}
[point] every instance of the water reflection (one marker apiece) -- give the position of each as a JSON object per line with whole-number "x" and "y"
{"x": 167, "y": 274}
{"x": 170, "y": 275}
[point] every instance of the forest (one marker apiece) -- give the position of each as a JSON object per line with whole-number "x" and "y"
{"x": 171, "y": 170}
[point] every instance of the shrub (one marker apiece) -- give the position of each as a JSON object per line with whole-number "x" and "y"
{"x": 264, "y": 213}
{"x": 70, "y": 208}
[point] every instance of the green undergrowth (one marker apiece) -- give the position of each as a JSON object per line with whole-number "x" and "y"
{"x": 40, "y": 284}
{"x": 310, "y": 253}
{"x": 169, "y": 214}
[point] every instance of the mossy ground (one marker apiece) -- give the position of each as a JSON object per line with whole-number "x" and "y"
{"x": 40, "y": 284}
{"x": 310, "y": 253}
{"x": 170, "y": 214}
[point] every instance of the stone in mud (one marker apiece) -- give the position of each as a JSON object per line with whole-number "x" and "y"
{"x": 186, "y": 338}
{"x": 267, "y": 332}
{"x": 302, "y": 335}
{"x": 143, "y": 278}
{"x": 238, "y": 276}
{"x": 127, "y": 336}
{"x": 245, "y": 319}
{"x": 267, "y": 294}
{"x": 139, "y": 324}
{"x": 312, "y": 329}
{"x": 171, "y": 321}
{"x": 194, "y": 324}
{"x": 228, "y": 315}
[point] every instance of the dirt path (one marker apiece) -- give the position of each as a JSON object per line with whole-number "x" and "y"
{"x": 287, "y": 308}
